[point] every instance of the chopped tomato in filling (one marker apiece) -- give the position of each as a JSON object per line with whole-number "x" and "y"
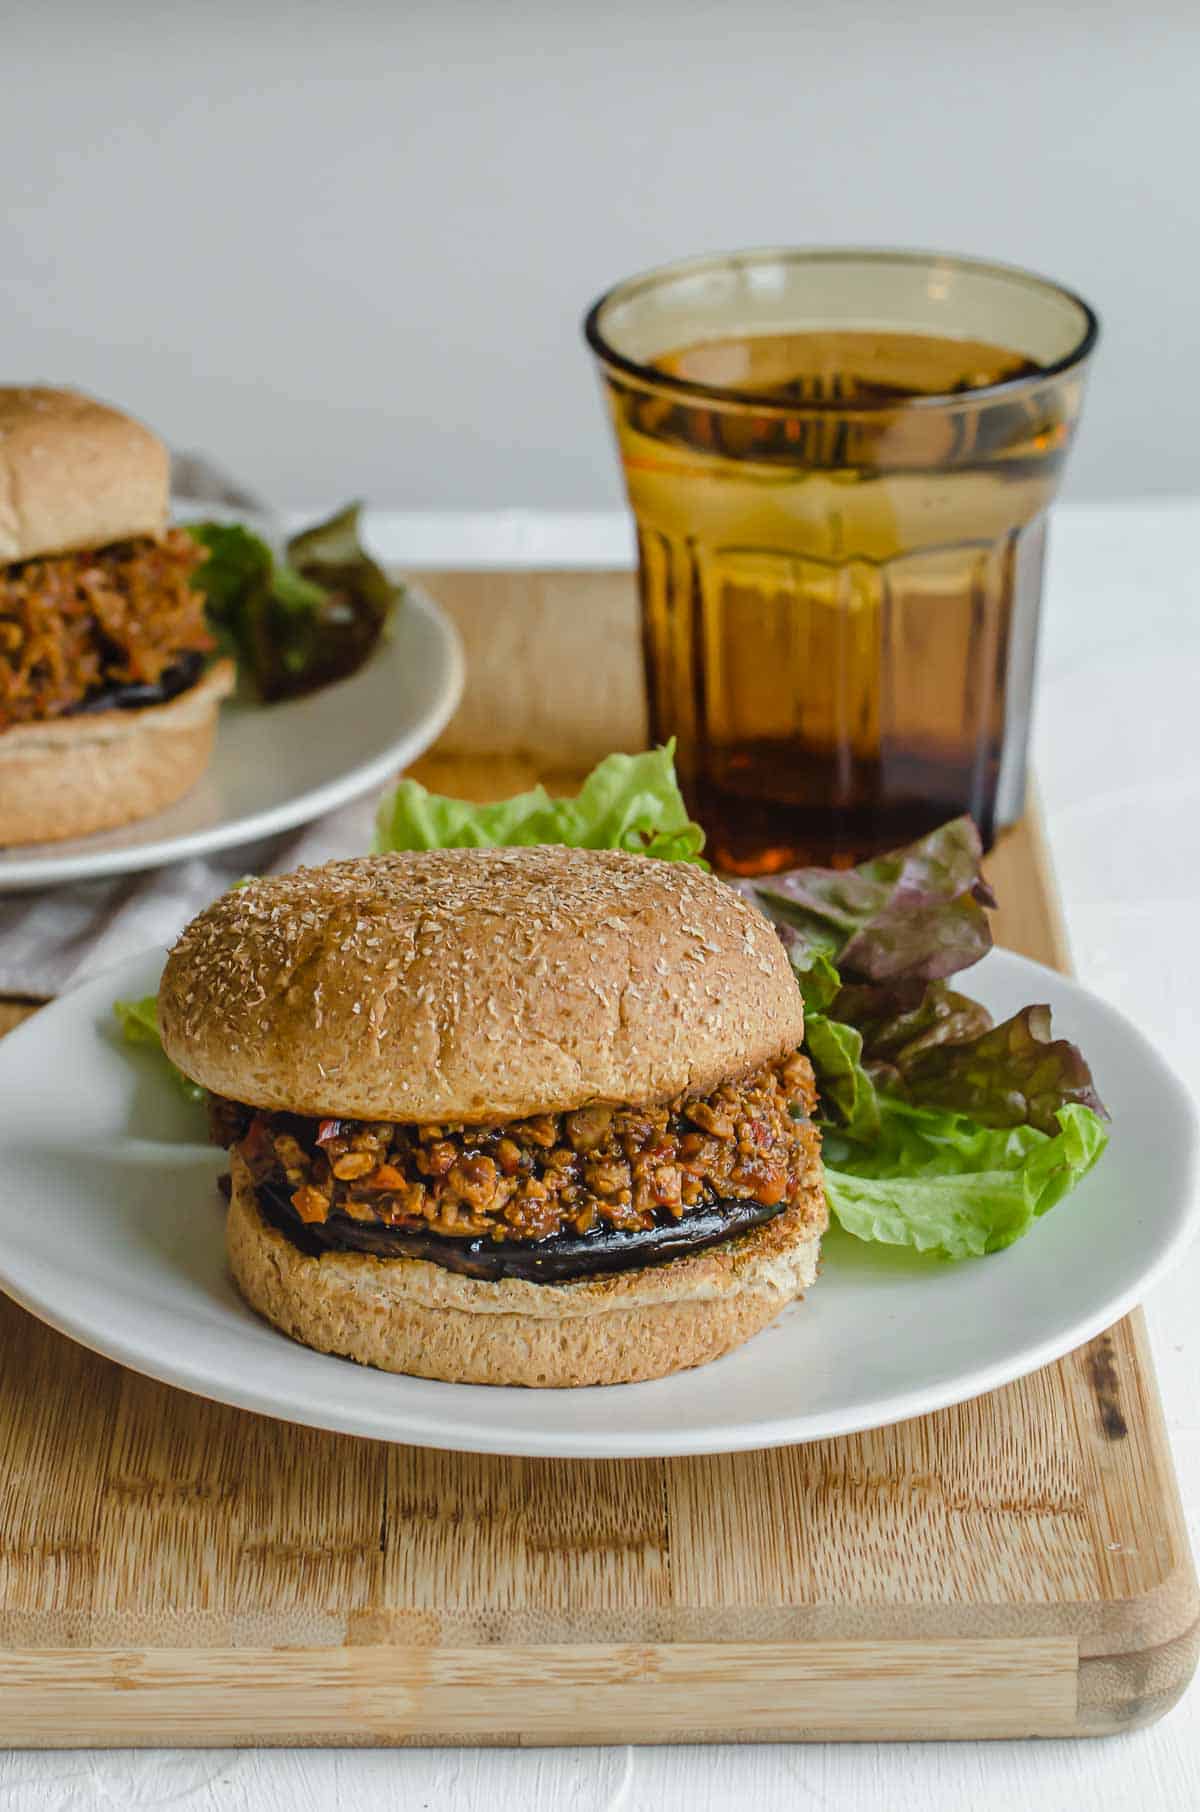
{"x": 598, "y": 1166}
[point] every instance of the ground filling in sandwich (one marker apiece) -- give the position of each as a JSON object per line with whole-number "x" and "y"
{"x": 558, "y": 1195}
{"x": 115, "y": 628}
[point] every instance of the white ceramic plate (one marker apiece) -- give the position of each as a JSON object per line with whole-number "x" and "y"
{"x": 111, "y": 1230}
{"x": 276, "y": 766}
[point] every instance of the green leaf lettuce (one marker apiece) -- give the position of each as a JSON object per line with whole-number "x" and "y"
{"x": 298, "y": 621}
{"x": 835, "y": 1052}
{"x": 940, "y": 1182}
{"x": 628, "y": 802}
{"x": 138, "y": 1020}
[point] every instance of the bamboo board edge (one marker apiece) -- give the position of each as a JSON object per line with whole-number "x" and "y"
{"x": 541, "y": 1694}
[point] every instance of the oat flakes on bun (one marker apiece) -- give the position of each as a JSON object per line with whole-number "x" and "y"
{"x": 505, "y": 1116}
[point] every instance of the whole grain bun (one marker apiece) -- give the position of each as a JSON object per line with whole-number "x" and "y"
{"x": 406, "y": 1315}
{"x": 71, "y": 776}
{"x": 75, "y": 474}
{"x": 476, "y": 985}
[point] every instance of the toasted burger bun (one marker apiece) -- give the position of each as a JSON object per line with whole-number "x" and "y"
{"x": 75, "y": 474}
{"x": 406, "y": 1315}
{"x": 476, "y": 985}
{"x": 77, "y": 774}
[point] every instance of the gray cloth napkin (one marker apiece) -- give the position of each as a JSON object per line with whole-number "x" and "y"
{"x": 51, "y": 940}
{"x": 55, "y": 939}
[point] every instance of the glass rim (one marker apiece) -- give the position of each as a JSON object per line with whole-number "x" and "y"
{"x": 651, "y": 377}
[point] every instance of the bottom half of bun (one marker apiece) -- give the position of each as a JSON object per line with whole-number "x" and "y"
{"x": 407, "y": 1315}
{"x": 74, "y": 775}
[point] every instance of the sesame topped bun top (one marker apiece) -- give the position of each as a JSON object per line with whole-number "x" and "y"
{"x": 476, "y": 985}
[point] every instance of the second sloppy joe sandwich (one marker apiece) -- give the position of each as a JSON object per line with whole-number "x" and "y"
{"x": 108, "y": 689}
{"x": 508, "y": 1116}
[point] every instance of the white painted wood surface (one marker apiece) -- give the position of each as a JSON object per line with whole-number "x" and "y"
{"x": 1118, "y": 754}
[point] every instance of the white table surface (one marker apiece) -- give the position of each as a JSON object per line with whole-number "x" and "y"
{"x": 1118, "y": 756}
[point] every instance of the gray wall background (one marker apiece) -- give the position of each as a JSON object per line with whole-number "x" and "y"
{"x": 346, "y": 247}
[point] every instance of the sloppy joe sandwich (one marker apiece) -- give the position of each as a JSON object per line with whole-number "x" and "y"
{"x": 505, "y": 1116}
{"x": 108, "y": 694}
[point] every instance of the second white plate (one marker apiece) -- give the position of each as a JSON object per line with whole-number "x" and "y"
{"x": 276, "y": 766}
{"x": 111, "y": 1230}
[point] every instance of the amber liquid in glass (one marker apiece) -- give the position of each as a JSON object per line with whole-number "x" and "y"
{"x": 840, "y": 607}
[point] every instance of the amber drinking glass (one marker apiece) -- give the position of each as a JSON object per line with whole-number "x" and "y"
{"x": 840, "y": 463}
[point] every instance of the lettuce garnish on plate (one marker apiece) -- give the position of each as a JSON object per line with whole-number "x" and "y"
{"x": 942, "y": 1182}
{"x": 628, "y": 802}
{"x": 940, "y": 1130}
{"x": 138, "y": 1020}
{"x": 295, "y": 621}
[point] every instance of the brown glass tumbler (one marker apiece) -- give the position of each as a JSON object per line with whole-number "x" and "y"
{"x": 840, "y": 463}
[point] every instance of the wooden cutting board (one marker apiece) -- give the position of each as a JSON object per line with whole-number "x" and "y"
{"x": 174, "y": 1572}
